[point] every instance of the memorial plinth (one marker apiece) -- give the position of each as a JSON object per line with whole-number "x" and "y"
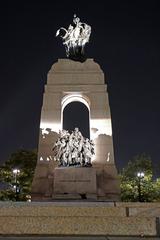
{"x": 75, "y": 182}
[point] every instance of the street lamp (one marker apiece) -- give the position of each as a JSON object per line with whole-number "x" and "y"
{"x": 15, "y": 173}
{"x": 140, "y": 176}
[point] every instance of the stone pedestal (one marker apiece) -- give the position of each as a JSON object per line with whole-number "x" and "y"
{"x": 75, "y": 182}
{"x": 70, "y": 81}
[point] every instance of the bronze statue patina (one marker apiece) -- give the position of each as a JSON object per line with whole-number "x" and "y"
{"x": 75, "y": 38}
{"x": 73, "y": 149}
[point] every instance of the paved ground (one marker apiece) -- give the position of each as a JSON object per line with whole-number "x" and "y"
{"x": 79, "y": 238}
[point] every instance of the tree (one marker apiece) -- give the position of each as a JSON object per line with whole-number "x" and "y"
{"x": 157, "y": 188}
{"x": 139, "y": 187}
{"x": 18, "y": 184}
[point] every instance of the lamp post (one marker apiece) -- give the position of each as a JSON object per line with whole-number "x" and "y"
{"x": 15, "y": 173}
{"x": 140, "y": 176}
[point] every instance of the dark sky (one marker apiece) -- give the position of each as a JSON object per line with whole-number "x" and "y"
{"x": 125, "y": 41}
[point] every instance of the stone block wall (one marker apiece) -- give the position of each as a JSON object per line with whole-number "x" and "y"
{"x": 109, "y": 219}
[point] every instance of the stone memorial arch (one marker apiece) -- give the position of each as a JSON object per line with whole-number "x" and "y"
{"x": 81, "y": 118}
{"x": 79, "y": 105}
{"x": 69, "y": 81}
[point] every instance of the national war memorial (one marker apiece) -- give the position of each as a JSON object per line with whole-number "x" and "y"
{"x": 81, "y": 80}
{"x": 76, "y": 189}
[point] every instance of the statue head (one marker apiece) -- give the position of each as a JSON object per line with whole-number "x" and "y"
{"x": 76, "y": 129}
{"x": 76, "y": 20}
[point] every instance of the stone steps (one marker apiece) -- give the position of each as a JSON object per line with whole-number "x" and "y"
{"x": 80, "y": 219}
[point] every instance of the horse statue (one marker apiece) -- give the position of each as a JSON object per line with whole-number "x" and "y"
{"x": 75, "y": 38}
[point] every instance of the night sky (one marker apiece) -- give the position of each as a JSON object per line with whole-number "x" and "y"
{"x": 125, "y": 41}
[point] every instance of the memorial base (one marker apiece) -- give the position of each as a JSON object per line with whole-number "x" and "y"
{"x": 75, "y": 183}
{"x": 97, "y": 182}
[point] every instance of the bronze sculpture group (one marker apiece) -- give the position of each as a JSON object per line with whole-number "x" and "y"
{"x": 73, "y": 149}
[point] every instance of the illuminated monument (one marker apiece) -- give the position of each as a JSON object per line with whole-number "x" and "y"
{"x": 75, "y": 174}
{"x": 75, "y": 79}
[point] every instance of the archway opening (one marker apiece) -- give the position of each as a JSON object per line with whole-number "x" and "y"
{"x": 76, "y": 114}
